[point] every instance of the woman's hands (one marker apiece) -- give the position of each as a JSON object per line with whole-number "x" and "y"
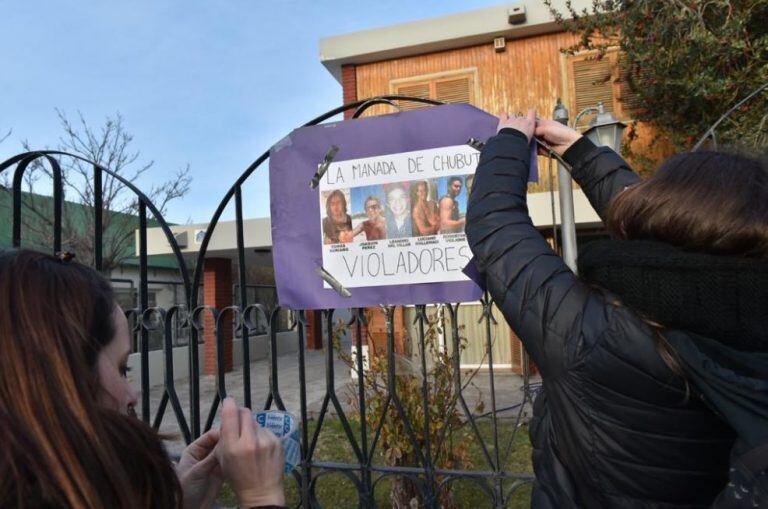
{"x": 251, "y": 458}
{"x": 524, "y": 124}
{"x": 558, "y": 136}
{"x": 199, "y": 472}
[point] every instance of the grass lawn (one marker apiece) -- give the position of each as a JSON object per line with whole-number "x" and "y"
{"x": 335, "y": 490}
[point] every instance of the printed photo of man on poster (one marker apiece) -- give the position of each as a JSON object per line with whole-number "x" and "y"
{"x": 337, "y": 224}
{"x": 373, "y": 226}
{"x": 451, "y": 220}
{"x": 398, "y": 215}
{"x": 426, "y": 220}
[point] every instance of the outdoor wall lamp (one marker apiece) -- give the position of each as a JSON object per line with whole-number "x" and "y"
{"x": 604, "y": 130}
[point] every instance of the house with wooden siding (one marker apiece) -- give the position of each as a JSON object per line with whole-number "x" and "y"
{"x": 500, "y": 59}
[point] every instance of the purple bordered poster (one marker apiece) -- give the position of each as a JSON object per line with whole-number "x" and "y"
{"x": 386, "y": 220}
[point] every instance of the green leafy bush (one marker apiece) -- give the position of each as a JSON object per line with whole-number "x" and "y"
{"x": 688, "y": 62}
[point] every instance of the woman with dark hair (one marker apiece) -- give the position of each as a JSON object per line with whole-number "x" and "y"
{"x": 655, "y": 363}
{"x": 69, "y": 438}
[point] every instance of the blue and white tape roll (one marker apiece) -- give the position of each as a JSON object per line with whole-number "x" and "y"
{"x": 283, "y": 425}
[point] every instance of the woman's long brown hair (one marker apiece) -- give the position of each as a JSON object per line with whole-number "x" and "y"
{"x": 59, "y": 447}
{"x": 704, "y": 202}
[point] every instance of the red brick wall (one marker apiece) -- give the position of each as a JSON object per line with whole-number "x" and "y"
{"x": 518, "y": 351}
{"x": 349, "y": 86}
{"x": 364, "y": 333}
{"x": 314, "y": 331}
{"x": 217, "y": 292}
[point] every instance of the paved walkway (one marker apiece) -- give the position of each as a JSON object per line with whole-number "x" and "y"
{"x": 508, "y": 390}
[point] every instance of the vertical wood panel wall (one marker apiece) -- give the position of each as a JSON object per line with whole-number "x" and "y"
{"x": 472, "y": 327}
{"x": 530, "y": 72}
{"x": 527, "y": 73}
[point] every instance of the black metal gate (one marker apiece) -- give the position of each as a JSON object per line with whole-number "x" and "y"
{"x": 432, "y": 478}
{"x": 420, "y": 411}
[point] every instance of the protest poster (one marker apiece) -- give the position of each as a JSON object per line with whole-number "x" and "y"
{"x": 386, "y": 219}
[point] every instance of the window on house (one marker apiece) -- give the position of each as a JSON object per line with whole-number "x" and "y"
{"x": 451, "y": 87}
{"x": 592, "y": 80}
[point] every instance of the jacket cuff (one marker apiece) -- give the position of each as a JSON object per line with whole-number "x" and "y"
{"x": 514, "y": 132}
{"x": 578, "y": 151}
{"x": 505, "y": 145}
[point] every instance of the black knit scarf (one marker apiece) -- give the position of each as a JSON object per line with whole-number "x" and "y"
{"x": 724, "y": 298}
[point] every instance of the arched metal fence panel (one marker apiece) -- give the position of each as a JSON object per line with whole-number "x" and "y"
{"x": 364, "y": 408}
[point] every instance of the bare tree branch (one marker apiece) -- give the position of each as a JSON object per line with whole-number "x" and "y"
{"x": 4, "y": 179}
{"x": 109, "y": 145}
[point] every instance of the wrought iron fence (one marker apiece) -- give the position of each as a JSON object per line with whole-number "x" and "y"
{"x": 429, "y": 477}
{"x": 380, "y": 398}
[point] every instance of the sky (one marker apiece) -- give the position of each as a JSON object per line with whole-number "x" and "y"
{"x": 212, "y": 84}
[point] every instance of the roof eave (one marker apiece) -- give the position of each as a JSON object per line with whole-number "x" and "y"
{"x": 439, "y": 34}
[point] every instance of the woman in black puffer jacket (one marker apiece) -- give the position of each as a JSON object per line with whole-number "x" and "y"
{"x": 657, "y": 360}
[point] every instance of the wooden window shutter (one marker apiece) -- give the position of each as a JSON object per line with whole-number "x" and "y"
{"x": 421, "y": 89}
{"x": 592, "y": 83}
{"x": 629, "y": 102}
{"x": 454, "y": 90}
{"x": 451, "y": 87}
{"x": 601, "y": 80}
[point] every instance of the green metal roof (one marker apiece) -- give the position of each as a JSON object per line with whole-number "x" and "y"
{"x": 79, "y": 215}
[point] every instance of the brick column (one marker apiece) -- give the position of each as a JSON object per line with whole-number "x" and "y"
{"x": 314, "y": 330}
{"x": 349, "y": 87}
{"x": 217, "y": 290}
{"x": 518, "y": 351}
{"x": 377, "y": 327}
{"x": 364, "y": 333}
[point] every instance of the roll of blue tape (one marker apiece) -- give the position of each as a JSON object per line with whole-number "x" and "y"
{"x": 283, "y": 425}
